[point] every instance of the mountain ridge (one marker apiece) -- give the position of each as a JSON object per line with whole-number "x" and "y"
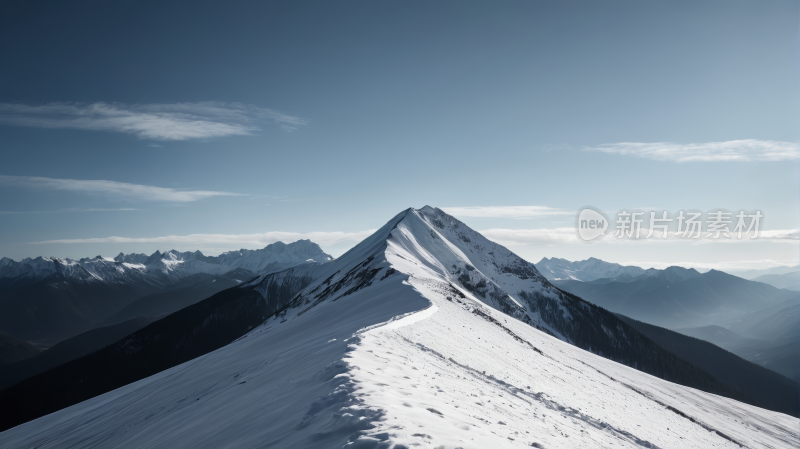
{"x": 584, "y": 270}
{"x": 167, "y": 263}
{"x": 402, "y": 341}
{"x": 678, "y": 297}
{"x": 49, "y": 299}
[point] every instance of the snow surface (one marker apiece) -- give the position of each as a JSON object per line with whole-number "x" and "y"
{"x": 404, "y": 358}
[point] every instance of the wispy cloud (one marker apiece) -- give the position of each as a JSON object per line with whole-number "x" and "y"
{"x": 514, "y": 237}
{"x": 706, "y": 237}
{"x": 785, "y": 234}
{"x": 566, "y": 235}
{"x": 231, "y": 240}
{"x": 9, "y": 212}
{"x": 175, "y": 121}
{"x": 735, "y": 150}
{"x": 505, "y": 211}
{"x": 111, "y": 188}
{"x": 99, "y": 210}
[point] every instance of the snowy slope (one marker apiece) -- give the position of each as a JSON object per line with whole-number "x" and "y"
{"x": 405, "y": 341}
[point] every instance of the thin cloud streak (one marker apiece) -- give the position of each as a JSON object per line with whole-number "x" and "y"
{"x": 99, "y": 210}
{"x": 233, "y": 240}
{"x": 505, "y": 211}
{"x": 786, "y": 234}
{"x": 176, "y": 121}
{"x": 111, "y": 188}
{"x": 63, "y": 211}
{"x": 566, "y": 235}
{"x": 747, "y": 150}
{"x": 514, "y": 237}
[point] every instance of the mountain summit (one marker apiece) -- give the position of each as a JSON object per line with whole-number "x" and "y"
{"x": 425, "y": 334}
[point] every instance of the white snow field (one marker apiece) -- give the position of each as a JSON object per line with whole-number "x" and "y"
{"x": 402, "y": 358}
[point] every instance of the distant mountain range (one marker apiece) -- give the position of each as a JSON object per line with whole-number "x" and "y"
{"x": 769, "y": 337}
{"x": 772, "y": 389}
{"x": 556, "y": 269}
{"x": 752, "y": 274}
{"x": 678, "y": 297}
{"x": 159, "y": 267}
{"x": 758, "y": 319}
{"x": 47, "y": 299}
{"x": 182, "y": 294}
{"x": 789, "y": 281}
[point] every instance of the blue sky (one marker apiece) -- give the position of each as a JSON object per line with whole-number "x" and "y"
{"x": 242, "y": 123}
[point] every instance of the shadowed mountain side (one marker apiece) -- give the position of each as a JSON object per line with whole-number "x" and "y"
{"x": 777, "y": 346}
{"x": 182, "y": 336}
{"x": 69, "y": 349}
{"x": 720, "y": 336}
{"x": 772, "y": 390}
{"x": 783, "y": 358}
{"x": 13, "y": 350}
{"x": 789, "y": 281}
{"x": 779, "y": 322}
{"x": 55, "y": 308}
{"x": 162, "y": 304}
{"x": 677, "y": 297}
{"x": 46, "y": 300}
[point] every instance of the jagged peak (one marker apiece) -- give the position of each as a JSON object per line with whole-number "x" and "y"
{"x": 153, "y": 258}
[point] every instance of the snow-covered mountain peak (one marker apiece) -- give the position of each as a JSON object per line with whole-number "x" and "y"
{"x": 131, "y": 258}
{"x": 429, "y": 244}
{"x": 172, "y": 256}
{"x": 465, "y": 343}
{"x": 153, "y": 258}
{"x": 407, "y": 340}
